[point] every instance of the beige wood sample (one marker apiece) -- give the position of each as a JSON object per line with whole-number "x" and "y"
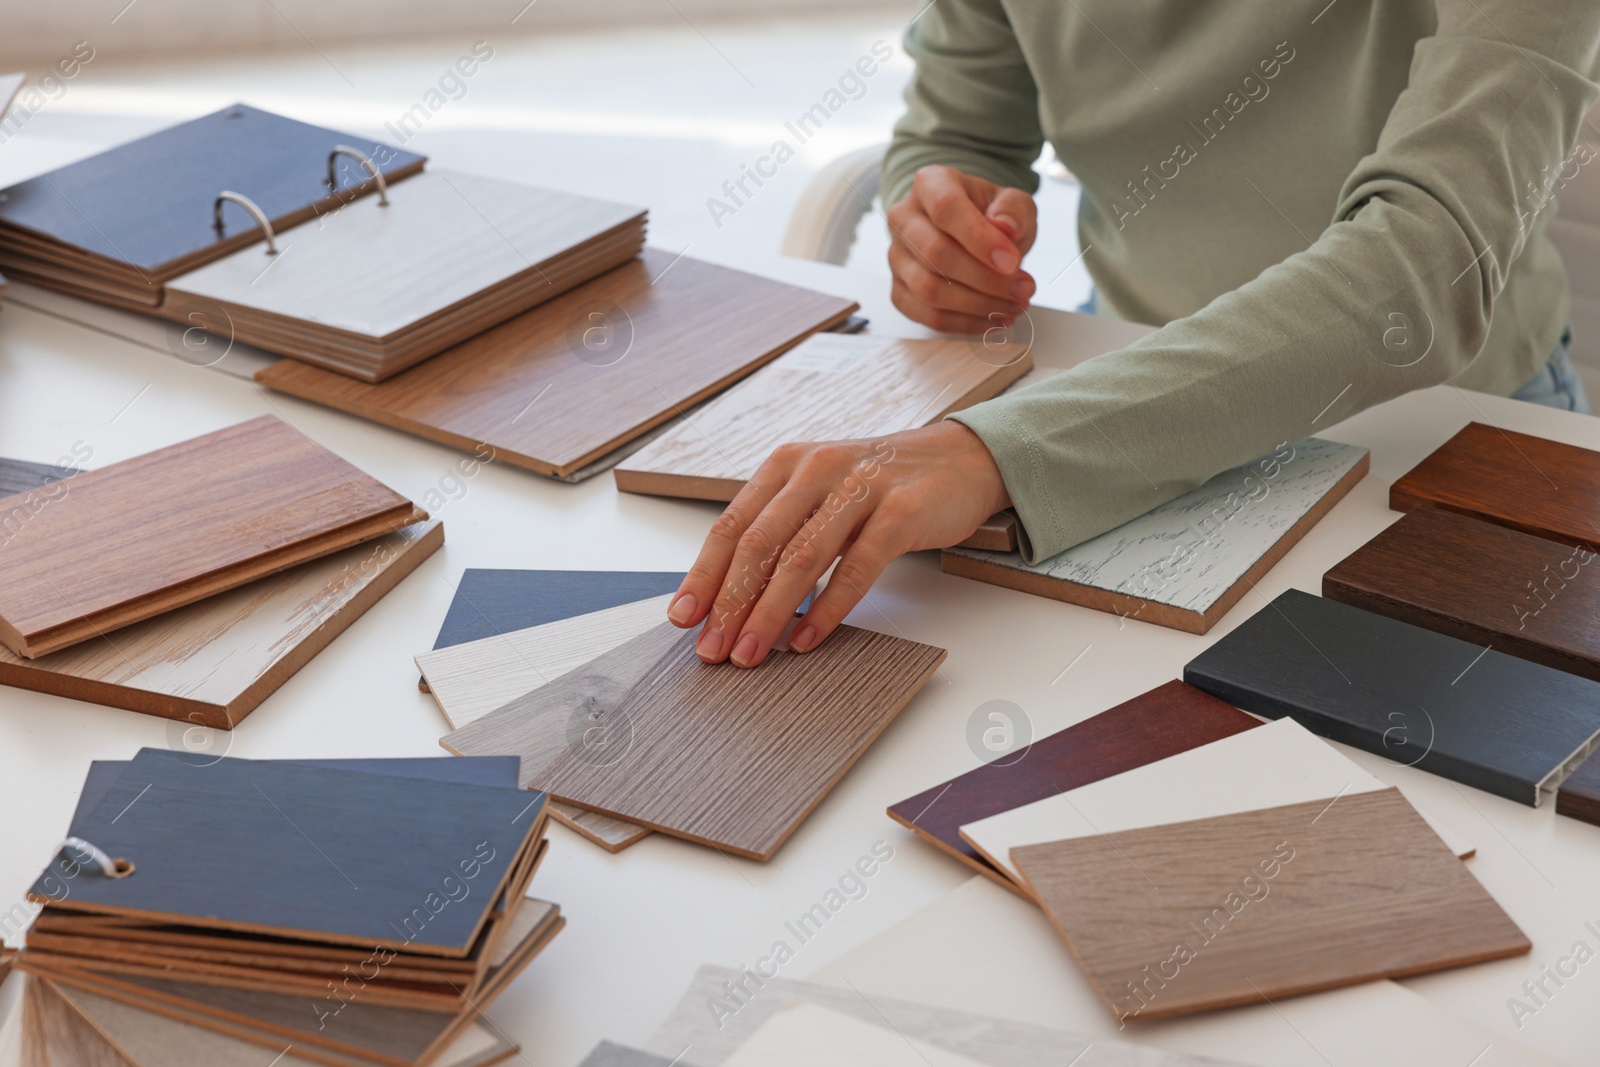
{"x": 213, "y": 662}
{"x": 997, "y": 534}
{"x": 1225, "y": 911}
{"x": 727, "y": 757}
{"x": 560, "y": 386}
{"x": 830, "y": 387}
{"x": 210, "y": 514}
{"x": 371, "y": 289}
{"x": 804, "y": 1034}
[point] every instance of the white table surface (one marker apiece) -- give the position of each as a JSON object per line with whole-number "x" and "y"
{"x": 642, "y": 921}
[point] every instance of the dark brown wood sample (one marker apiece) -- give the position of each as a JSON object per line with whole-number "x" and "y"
{"x": 1528, "y": 483}
{"x": 1172, "y": 718}
{"x": 117, "y": 225}
{"x": 738, "y": 758}
{"x": 1480, "y": 582}
{"x": 1194, "y": 916}
{"x": 1579, "y": 796}
{"x": 559, "y": 386}
{"x": 168, "y": 528}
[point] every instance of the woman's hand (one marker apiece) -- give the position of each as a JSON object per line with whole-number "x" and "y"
{"x": 863, "y": 502}
{"x": 956, "y": 244}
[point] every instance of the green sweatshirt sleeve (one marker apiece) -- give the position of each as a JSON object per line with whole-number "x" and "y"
{"x": 972, "y": 103}
{"x": 1425, "y": 228}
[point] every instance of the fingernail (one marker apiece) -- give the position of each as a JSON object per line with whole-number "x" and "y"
{"x": 803, "y": 638}
{"x": 1004, "y": 261}
{"x": 710, "y": 645}
{"x": 682, "y": 610}
{"x": 1008, "y": 222}
{"x": 745, "y": 650}
{"x": 1022, "y": 289}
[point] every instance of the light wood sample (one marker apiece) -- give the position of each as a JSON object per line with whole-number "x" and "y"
{"x": 830, "y": 387}
{"x": 704, "y": 1031}
{"x": 116, "y": 225}
{"x": 727, "y": 757}
{"x": 804, "y": 1034}
{"x": 206, "y": 515}
{"x": 1185, "y": 563}
{"x": 559, "y": 386}
{"x": 1528, "y": 483}
{"x": 1231, "y": 910}
{"x": 372, "y": 289}
{"x": 1271, "y": 766}
{"x": 213, "y": 662}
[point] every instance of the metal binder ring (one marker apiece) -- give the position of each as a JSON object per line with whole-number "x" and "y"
{"x": 250, "y": 206}
{"x": 87, "y": 853}
{"x": 366, "y": 161}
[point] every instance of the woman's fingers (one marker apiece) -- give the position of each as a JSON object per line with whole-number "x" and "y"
{"x": 881, "y": 540}
{"x": 698, "y": 593}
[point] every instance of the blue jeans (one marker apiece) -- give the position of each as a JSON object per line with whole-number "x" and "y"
{"x": 1556, "y": 386}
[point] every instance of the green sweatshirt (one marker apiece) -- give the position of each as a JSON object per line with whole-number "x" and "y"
{"x": 1323, "y": 204}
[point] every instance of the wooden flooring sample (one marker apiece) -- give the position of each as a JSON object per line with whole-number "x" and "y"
{"x": 141, "y": 213}
{"x": 559, "y": 386}
{"x": 1483, "y": 583}
{"x": 54, "y": 1035}
{"x": 1231, "y": 910}
{"x": 830, "y": 387}
{"x": 1579, "y": 796}
{"x": 1471, "y": 714}
{"x": 803, "y": 1034}
{"x": 997, "y": 534}
{"x": 1169, "y": 719}
{"x": 706, "y": 1038}
{"x": 1185, "y": 563}
{"x": 490, "y": 601}
{"x": 149, "y": 1039}
{"x": 20, "y": 475}
{"x": 1278, "y": 764}
{"x": 730, "y": 758}
{"x": 1530, "y": 484}
{"x": 296, "y": 851}
{"x": 213, "y": 662}
{"x": 208, "y": 515}
{"x": 448, "y": 256}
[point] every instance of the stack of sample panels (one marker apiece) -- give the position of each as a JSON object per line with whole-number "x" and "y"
{"x": 363, "y": 910}
{"x": 254, "y": 548}
{"x": 1263, "y": 864}
{"x": 830, "y": 387}
{"x": 563, "y": 385}
{"x": 119, "y": 225}
{"x": 648, "y": 734}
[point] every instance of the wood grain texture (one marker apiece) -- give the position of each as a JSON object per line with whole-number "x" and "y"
{"x": 1186, "y": 563}
{"x": 213, "y": 662}
{"x": 804, "y": 1034}
{"x": 1279, "y": 764}
{"x": 149, "y": 1039}
{"x": 1483, "y": 583}
{"x": 140, "y": 213}
{"x": 1539, "y": 487}
{"x": 287, "y": 845}
{"x": 372, "y": 289}
{"x": 1171, "y": 718}
{"x": 704, "y": 1038}
{"x": 830, "y": 387}
{"x": 1579, "y": 796}
{"x": 731, "y": 758}
{"x": 54, "y": 1035}
{"x": 1474, "y": 715}
{"x": 997, "y": 534}
{"x": 1213, "y": 913}
{"x": 212, "y": 513}
{"x": 20, "y": 475}
{"x": 561, "y": 385}
{"x": 491, "y": 601}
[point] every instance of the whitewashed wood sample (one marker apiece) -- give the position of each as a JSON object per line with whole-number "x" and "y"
{"x": 472, "y": 679}
{"x": 803, "y": 1034}
{"x": 1271, "y": 766}
{"x": 213, "y": 662}
{"x": 1185, "y": 563}
{"x": 372, "y": 288}
{"x": 707, "y": 1026}
{"x": 829, "y": 387}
